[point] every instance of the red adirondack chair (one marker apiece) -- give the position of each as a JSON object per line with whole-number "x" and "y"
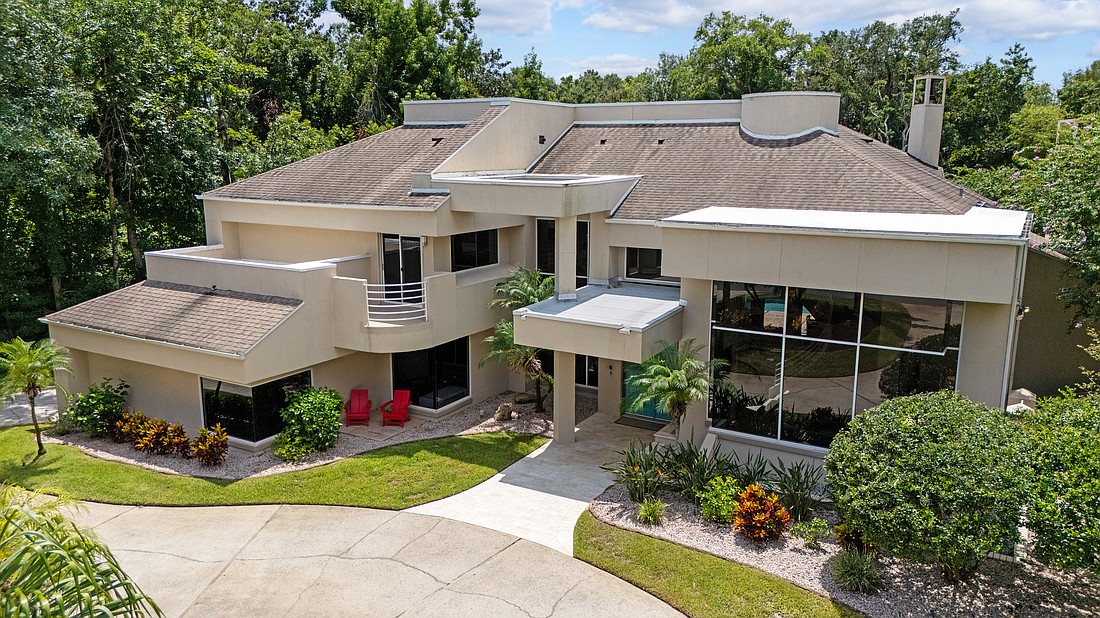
{"x": 398, "y": 409}
{"x": 357, "y": 408}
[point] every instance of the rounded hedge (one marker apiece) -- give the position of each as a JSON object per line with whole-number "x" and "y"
{"x": 312, "y": 418}
{"x": 932, "y": 477}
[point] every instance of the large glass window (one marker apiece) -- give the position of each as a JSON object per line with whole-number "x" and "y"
{"x": 803, "y": 361}
{"x": 435, "y": 377}
{"x": 643, "y": 263}
{"x": 545, "y": 249}
{"x": 587, "y": 371}
{"x": 249, "y": 413}
{"x": 473, "y": 249}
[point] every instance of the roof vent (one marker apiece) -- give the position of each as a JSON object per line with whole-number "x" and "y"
{"x": 436, "y": 140}
{"x": 542, "y": 139}
{"x": 660, "y": 141}
{"x": 603, "y": 141}
{"x": 926, "y": 119}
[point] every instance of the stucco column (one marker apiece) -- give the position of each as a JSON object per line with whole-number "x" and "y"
{"x": 599, "y": 266}
{"x": 565, "y": 258}
{"x": 698, "y": 294}
{"x": 565, "y": 396}
{"x": 611, "y": 386}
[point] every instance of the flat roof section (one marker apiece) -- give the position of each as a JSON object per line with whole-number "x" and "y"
{"x": 632, "y": 306}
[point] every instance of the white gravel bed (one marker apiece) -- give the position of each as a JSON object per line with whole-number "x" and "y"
{"x": 239, "y": 464}
{"x": 911, "y": 590}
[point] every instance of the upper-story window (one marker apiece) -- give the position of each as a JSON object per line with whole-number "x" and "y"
{"x": 645, "y": 264}
{"x": 473, "y": 249}
{"x": 544, "y": 249}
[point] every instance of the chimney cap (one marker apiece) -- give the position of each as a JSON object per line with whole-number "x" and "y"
{"x": 929, "y": 89}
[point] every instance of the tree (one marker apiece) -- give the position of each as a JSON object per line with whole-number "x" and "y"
{"x": 527, "y": 81}
{"x": 668, "y": 81}
{"x": 520, "y": 288}
{"x": 1064, "y": 512}
{"x": 673, "y": 379}
{"x": 1080, "y": 92}
{"x": 590, "y": 87}
{"x": 28, "y": 368}
{"x": 735, "y": 55}
{"x": 50, "y": 567}
{"x": 289, "y": 139}
{"x": 1033, "y": 130}
{"x": 520, "y": 359}
{"x": 950, "y": 490}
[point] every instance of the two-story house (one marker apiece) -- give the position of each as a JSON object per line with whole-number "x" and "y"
{"x": 829, "y": 269}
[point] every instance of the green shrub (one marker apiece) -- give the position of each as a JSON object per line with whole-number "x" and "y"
{"x": 291, "y": 448}
{"x": 130, "y": 428}
{"x": 796, "y": 486}
{"x": 856, "y": 571}
{"x": 154, "y": 438}
{"x": 639, "y": 470}
{"x": 752, "y": 471}
{"x": 177, "y": 442}
{"x": 688, "y": 468}
{"x": 312, "y": 418}
{"x": 758, "y": 515}
{"x": 811, "y": 532}
{"x": 718, "y": 499}
{"x": 650, "y": 511}
{"x": 97, "y": 411}
{"x": 931, "y": 477}
{"x": 849, "y": 537}
{"x": 211, "y": 446}
{"x": 1064, "y": 511}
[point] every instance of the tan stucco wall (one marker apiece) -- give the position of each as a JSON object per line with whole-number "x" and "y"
{"x": 1047, "y": 353}
{"x": 175, "y": 396}
{"x": 983, "y": 350}
{"x": 511, "y": 140}
{"x": 500, "y": 198}
{"x": 280, "y": 243}
{"x": 780, "y": 114}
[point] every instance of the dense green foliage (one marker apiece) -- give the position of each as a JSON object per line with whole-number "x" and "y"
{"x": 394, "y": 477}
{"x": 797, "y": 484}
{"x": 97, "y": 411}
{"x": 312, "y": 417}
{"x": 650, "y": 511}
{"x": 1064, "y": 513}
{"x": 950, "y": 490}
{"x": 811, "y": 532}
{"x": 718, "y": 499}
{"x": 639, "y": 470}
{"x": 856, "y": 570}
{"x": 50, "y": 567}
{"x": 520, "y": 288}
{"x": 673, "y": 379}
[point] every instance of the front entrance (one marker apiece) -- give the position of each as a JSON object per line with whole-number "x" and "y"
{"x": 401, "y": 269}
{"x": 650, "y": 411}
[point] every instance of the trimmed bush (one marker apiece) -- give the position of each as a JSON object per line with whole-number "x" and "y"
{"x": 718, "y": 500}
{"x": 639, "y": 470}
{"x": 796, "y": 485}
{"x": 97, "y": 411}
{"x": 312, "y": 418}
{"x": 1064, "y": 512}
{"x": 932, "y": 477}
{"x": 855, "y": 570}
{"x": 130, "y": 428}
{"x": 759, "y": 516}
{"x": 811, "y": 532}
{"x": 650, "y": 511}
{"x": 211, "y": 446}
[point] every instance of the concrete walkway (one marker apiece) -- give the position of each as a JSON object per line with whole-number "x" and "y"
{"x": 338, "y": 561}
{"x": 540, "y": 497}
{"x": 18, "y": 410}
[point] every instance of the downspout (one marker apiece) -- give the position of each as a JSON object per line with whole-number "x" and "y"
{"x": 1014, "y": 322}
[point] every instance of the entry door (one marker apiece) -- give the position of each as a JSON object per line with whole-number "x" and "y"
{"x": 401, "y": 268}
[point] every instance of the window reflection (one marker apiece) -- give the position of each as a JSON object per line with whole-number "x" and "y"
{"x": 822, "y": 314}
{"x": 885, "y": 374}
{"x": 914, "y": 323}
{"x": 746, "y": 397}
{"x": 748, "y": 306}
{"x": 249, "y": 413}
{"x": 818, "y": 382}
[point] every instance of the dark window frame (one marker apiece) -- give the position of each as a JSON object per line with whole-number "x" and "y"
{"x": 486, "y": 250}
{"x": 253, "y": 429}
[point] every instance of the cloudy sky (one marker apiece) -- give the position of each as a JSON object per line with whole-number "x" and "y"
{"x": 626, "y": 36}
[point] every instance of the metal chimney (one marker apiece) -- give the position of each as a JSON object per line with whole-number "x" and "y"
{"x": 926, "y": 118}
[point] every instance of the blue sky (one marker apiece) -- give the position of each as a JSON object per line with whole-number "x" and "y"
{"x": 625, "y": 36}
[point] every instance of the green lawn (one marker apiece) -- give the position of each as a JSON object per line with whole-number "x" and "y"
{"x": 696, "y": 583}
{"x": 394, "y": 477}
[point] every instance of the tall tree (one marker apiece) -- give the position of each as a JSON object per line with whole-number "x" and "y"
{"x": 1080, "y": 92}
{"x": 527, "y": 81}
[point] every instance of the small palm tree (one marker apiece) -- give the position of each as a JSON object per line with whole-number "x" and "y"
{"x": 29, "y": 368}
{"x": 49, "y": 567}
{"x": 521, "y": 359}
{"x": 522, "y": 287}
{"x": 673, "y": 379}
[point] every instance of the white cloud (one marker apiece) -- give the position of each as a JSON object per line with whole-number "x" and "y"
{"x": 510, "y": 17}
{"x": 622, "y": 64}
{"x": 983, "y": 19}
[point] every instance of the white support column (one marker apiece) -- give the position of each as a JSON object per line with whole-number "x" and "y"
{"x": 565, "y": 397}
{"x": 565, "y": 257}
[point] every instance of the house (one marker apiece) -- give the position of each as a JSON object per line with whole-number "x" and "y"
{"x": 829, "y": 269}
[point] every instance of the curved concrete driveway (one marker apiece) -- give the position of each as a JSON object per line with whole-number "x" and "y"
{"x": 339, "y": 561}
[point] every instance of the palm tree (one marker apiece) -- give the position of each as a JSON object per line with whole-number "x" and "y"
{"x": 673, "y": 379}
{"x": 28, "y": 368}
{"x": 522, "y": 287}
{"x": 49, "y": 567}
{"x": 521, "y": 359}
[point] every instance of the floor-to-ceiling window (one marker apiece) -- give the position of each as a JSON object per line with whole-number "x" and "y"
{"x": 803, "y": 361}
{"x": 249, "y": 413}
{"x": 435, "y": 377}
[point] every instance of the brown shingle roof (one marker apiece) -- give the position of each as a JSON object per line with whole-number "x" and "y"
{"x": 701, "y": 165}
{"x": 373, "y": 171}
{"x": 218, "y": 321}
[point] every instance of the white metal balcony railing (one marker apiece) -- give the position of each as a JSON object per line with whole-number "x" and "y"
{"x": 396, "y": 302}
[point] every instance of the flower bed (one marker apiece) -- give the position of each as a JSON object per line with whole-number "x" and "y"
{"x": 998, "y": 589}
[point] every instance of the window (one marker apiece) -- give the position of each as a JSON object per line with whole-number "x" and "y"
{"x": 473, "y": 249}
{"x": 545, "y": 249}
{"x": 249, "y": 413}
{"x": 650, "y": 410}
{"x": 587, "y": 371}
{"x": 645, "y": 264}
{"x": 802, "y": 361}
{"x": 435, "y": 377}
